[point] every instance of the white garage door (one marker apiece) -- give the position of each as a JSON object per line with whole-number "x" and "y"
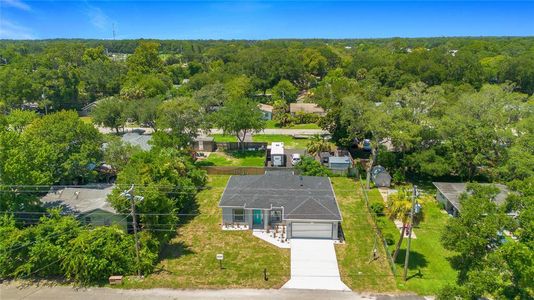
{"x": 311, "y": 230}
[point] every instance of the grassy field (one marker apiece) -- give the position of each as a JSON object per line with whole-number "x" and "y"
{"x": 87, "y": 120}
{"x": 270, "y": 124}
{"x": 223, "y": 138}
{"x": 237, "y": 158}
{"x": 428, "y": 270}
{"x": 189, "y": 260}
{"x": 354, "y": 257}
{"x": 288, "y": 140}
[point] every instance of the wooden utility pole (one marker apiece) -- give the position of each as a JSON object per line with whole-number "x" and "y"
{"x": 130, "y": 195}
{"x": 407, "y": 256}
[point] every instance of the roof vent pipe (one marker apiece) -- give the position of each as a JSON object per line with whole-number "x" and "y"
{"x": 301, "y": 184}
{"x": 77, "y": 194}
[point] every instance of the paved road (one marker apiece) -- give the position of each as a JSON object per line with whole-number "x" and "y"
{"x": 281, "y": 131}
{"x": 314, "y": 266}
{"x": 9, "y": 292}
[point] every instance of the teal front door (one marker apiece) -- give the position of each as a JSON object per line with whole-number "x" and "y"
{"x": 257, "y": 217}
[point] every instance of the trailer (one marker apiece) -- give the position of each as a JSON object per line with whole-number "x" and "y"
{"x": 278, "y": 156}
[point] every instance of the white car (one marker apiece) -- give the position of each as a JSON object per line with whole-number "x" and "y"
{"x": 295, "y": 158}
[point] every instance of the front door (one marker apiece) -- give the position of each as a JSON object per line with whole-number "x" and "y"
{"x": 257, "y": 217}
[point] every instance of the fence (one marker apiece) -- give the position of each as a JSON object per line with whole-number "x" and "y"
{"x": 232, "y": 146}
{"x": 377, "y": 229}
{"x": 227, "y": 170}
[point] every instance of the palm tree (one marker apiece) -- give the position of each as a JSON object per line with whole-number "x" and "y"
{"x": 319, "y": 144}
{"x": 399, "y": 208}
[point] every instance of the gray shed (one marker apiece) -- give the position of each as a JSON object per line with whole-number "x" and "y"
{"x": 380, "y": 176}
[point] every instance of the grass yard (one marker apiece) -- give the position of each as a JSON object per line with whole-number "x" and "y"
{"x": 237, "y": 158}
{"x": 224, "y": 138}
{"x": 354, "y": 256}
{"x": 189, "y": 260}
{"x": 428, "y": 270}
{"x": 87, "y": 120}
{"x": 289, "y": 141}
{"x": 272, "y": 124}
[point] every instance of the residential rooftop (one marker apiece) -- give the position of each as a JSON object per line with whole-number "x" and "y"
{"x": 453, "y": 191}
{"x": 302, "y": 197}
{"x": 79, "y": 200}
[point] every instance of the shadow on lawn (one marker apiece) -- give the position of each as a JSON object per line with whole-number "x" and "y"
{"x": 417, "y": 260}
{"x": 175, "y": 250}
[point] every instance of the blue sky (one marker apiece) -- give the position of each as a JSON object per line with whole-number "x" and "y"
{"x": 249, "y": 19}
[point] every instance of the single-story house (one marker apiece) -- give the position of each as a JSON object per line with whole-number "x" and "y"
{"x": 267, "y": 111}
{"x": 380, "y": 176}
{"x": 204, "y": 143}
{"x": 137, "y": 139}
{"x": 305, "y": 204}
{"x": 88, "y": 204}
{"x": 310, "y": 108}
{"x": 339, "y": 164}
{"x": 324, "y": 157}
{"x": 449, "y": 194}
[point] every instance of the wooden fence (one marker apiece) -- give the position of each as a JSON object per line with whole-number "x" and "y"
{"x": 227, "y": 170}
{"x": 232, "y": 146}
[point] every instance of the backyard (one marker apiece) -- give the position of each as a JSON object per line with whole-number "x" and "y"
{"x": 428, "y": 270}
{"x": 354, "y": 257}
{"x": 234, "y": 158}
{"x": 189, "y": 260}
{"x": 271, "y": 124}
{"x": 288, "y": 140}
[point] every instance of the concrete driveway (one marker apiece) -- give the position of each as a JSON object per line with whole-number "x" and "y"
{"x": 314, "y": 266}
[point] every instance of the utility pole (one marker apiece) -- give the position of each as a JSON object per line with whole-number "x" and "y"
{"x": 407, "y": 256}
{"x": 130, "y": 195}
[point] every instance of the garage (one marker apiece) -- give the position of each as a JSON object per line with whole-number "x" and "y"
{"x": 311, "y": 230}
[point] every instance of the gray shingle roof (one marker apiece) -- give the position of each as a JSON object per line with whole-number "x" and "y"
{"x": 453, "y": 190}
{"x": 136, "y": 139}
{"x": 79, "y": 200}
{"x": 302, "y": 197}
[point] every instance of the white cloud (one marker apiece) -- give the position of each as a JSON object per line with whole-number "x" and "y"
{"x": 98, "y": 18}
{"x": 10, "y": 30}
{"x": 16, "y": 4}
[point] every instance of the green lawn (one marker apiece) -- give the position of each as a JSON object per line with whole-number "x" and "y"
{"x": 288, "y": 140}
{"x": 87, "y": 120}
{"x": 270, "y": 124}
{"x": 189, "y": 260}
{"x": 354, "y": 256}
{"x": 236, "y": 158}
{"x": 224, "y": 138}
{"x": 429, "y": 269}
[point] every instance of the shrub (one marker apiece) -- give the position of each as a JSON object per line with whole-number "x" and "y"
{"x": 377, "y": 208}
{"x": 389, "y": 239}
{"x": 310, "y": 167}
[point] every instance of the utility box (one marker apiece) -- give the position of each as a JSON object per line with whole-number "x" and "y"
{"x": 115, "y": 280}
{"x": 278, "y": 156}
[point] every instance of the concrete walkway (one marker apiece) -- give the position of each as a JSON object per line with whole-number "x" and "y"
{"x": 314, "y": 266}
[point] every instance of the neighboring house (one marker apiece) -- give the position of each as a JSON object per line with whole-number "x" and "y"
{"x": 380, "y": 176}
{"x": 87, "y": 109}
{"x": 310, "y": 108}
{"x": 449, "y": 194}
{"x": 267, "y": 111}
{"x": 88, "y": 204}
{"x": 339, "y": 164}
{"x": 305, "y": 204}
{"x": 137, "y": 139}
{"x": 324, "y": 157}
{"x": 204, "y": 143}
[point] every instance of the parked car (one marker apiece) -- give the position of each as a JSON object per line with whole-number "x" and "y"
{"x": 367, "y": 145}
{"x": 295, "y": 158}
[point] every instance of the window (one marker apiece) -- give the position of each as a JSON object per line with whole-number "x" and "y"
{"x": 87, "y": 220}
{"x": 276, "y": 216}
{"x": 239, "y": 215}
